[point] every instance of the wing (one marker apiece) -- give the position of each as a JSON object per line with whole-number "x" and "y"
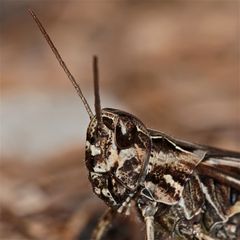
{"x": 196, "y": 177}
{"x": 173, "y": 161}
{"x": 219, "y": 164}
{"x": 219, "y": 174}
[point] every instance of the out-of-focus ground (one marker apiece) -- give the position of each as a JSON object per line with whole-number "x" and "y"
{"x": 173, "y": 64}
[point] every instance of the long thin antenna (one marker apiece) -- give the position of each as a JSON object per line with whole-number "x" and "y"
{"x": 62, "y": 63}
{"x": 96, "y": 91}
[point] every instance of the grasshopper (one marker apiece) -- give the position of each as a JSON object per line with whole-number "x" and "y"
{"x": 181, "y": 190}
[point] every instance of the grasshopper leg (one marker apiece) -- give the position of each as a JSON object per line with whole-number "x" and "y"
{"x": 149, "y": 221}
{"x": 103, "y": 224}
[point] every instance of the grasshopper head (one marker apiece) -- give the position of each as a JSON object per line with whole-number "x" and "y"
{"x": 118, "y": 144}
{"x": 116, "y": 155}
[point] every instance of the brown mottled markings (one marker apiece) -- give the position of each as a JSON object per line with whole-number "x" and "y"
{"x": 129, "y": 165}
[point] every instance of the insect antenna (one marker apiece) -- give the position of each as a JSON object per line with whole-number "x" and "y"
{"x": 62, "y": 63}
{"x": 96, "y": 92}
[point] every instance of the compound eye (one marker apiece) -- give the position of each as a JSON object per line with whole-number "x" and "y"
{"x": 126, "y": 133}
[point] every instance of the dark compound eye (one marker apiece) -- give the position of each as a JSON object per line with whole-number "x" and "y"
{"x": 108, "y": 122}
{"x": 126, "y": 132}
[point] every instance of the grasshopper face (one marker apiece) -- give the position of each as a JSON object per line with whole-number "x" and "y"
{"x": 117, "y": 155}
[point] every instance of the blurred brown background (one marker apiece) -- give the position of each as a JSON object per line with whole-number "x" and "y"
{"x": 174, "y": 64}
